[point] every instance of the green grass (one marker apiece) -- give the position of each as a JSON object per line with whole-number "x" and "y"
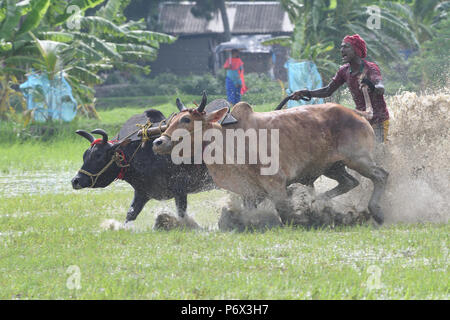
{"x": 42, "y": 235}
{"x": 44, "y": 146}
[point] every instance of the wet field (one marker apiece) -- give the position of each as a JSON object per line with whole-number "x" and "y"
{"x": 43, "y": 182}
{"x": 48, "y": 230}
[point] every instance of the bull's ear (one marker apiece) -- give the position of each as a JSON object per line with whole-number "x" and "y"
{"x": 216, "y": 115}
{"x": 122, "y": 143}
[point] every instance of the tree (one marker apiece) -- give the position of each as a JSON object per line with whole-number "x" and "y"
{"x": 104, "y": 43}
{"x": 207, "y": 8}
{"x": 420, "y": 16}
{"x": 322, "y": 22}
{"x": 16, "y": 54}
{"x": 144, "y": 9}
{"x": 79, "y": 48}
{"x": 430, "y": 68}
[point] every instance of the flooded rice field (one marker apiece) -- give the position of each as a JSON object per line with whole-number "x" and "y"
{"x": 416, "y": 156}
{"x": 44, "y": 182}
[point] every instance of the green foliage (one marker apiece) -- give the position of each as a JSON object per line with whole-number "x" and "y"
{"x": 430, "y": 68}
{"x": 404, "y": 25}
{"x": 35, "y": 35}
{"x": 424, "y": 69}
{"x": 32, "y": 20}
{"x": 320, "y": 23}
{"x": 262, "y": 89}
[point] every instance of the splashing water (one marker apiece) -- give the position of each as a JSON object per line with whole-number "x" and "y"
{"x": 417, "y": 157}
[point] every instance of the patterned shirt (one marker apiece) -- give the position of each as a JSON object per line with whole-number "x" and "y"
{"x": 344, "y": 75}
{"x": 234, "y": 66}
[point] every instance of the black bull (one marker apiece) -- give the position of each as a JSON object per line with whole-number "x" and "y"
{"x": 152, "y": 176}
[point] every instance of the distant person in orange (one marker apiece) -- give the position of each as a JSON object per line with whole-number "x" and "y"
{"x": 234, "y": 81}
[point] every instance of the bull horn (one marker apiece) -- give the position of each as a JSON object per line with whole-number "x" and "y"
{"x": 202, "y": 105}
{"x": 180, "y": 105}
{"x": 85, "y": 134}
{"x": 103, "y": 133}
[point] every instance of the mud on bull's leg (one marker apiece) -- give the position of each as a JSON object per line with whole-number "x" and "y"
{"x": 136, "y": 206}
{"x": 366, "y": 167}
{"x": 181, "y": 203}
{"x": 287, "y": 213}
{"x": 346, "y": 182}
{"x": 184, "y": 219}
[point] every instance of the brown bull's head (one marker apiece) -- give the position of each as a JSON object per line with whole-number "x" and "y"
{"x": 186, "y": 120}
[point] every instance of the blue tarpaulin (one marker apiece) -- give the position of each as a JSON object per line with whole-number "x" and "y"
{"x": 50, "y": 99}
{"x": 302, "y": 75}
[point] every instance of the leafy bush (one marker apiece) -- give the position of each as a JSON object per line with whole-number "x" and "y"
{"x": 261, "y": 87}
{"x": 430, "y": 67}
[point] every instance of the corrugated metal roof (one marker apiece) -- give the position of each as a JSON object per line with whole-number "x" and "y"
{"x": 244, "y": 18}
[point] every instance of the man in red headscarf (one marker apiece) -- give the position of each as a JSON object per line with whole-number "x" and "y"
{"x": 354, "y": 50}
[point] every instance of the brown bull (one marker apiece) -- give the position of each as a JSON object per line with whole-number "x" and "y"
{"x": 314, "y": 140}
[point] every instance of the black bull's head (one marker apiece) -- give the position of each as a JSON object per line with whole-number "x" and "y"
{"x": 100, "y": 163}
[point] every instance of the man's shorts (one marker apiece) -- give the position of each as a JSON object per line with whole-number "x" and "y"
{"x": 381, "y": 131}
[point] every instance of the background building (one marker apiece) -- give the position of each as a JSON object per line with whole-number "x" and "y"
{"x": 194, "y": 51}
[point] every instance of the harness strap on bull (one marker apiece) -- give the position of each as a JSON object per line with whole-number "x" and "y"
{"x": 143, "y": 128}
{"x": 118, "y": 158}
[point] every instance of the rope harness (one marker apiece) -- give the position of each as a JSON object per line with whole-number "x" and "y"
{"x": 118, "y": 157}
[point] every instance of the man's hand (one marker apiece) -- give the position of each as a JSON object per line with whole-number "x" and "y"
{"x": 377, "y": 88}
{"x": 301, "y": 93}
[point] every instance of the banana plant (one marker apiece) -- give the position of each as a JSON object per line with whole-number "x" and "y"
{"x": 17, "y": 54}
{"x": 16, "y": 19}
{"x": 56, "y": 38}
{"x": 101, "y": 43}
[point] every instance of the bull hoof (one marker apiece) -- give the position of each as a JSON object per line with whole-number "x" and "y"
{"x": 377, "y": 214}
{"x": 378, "y": 219}
{"x": 128, "y": 225}
{"x": 168, "y": 222}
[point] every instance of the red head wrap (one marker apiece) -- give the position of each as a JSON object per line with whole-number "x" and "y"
{"x": 358, "y": 44}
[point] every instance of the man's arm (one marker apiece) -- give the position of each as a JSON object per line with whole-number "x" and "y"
{"x": 318, "y": 93}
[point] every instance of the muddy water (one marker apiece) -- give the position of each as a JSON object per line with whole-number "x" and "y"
{"x": 417, "y": 157}
{"x": 44, "y": 182}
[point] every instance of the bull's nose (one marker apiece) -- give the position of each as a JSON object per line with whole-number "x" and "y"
{"x": 162, "y": 145}
{"x": 76, "y": 183}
